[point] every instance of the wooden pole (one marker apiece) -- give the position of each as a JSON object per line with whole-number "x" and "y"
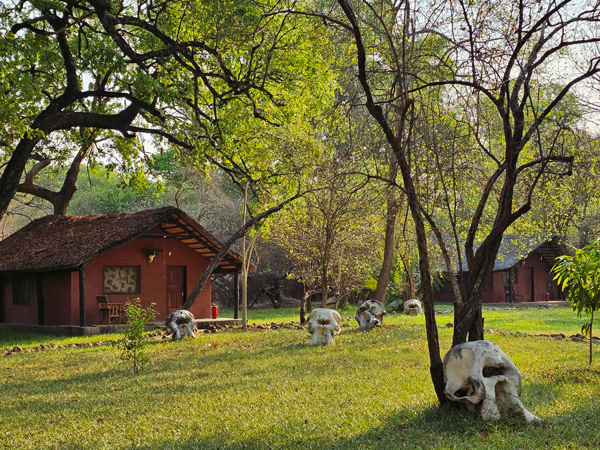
{"x": 244, "y": 267}
{"x": 236, "y": 295}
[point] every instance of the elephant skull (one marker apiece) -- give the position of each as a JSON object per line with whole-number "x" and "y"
{"x": 324, "y": 325}
{"x": 181, "y": 323}
{"x": 480, "y": 376}
{"x": 369, "y": 315}
{"x": 413, "y": 307}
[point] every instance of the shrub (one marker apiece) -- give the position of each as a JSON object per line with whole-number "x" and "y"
{"x": 580, "y": 275}
{"x": 133, "y": 341}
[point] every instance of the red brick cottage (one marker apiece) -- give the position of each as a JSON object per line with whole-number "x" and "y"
{"x": 52, "y": 270}
{"x": 521, "y": 273}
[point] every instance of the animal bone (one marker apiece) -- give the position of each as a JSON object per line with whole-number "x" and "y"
{"x": 324, "y": 325}
{"x": 413, "y": 307}
{"x": 369, "y": 315}
{"x": 181, "y": 323}
{"x": 479, "y": 375}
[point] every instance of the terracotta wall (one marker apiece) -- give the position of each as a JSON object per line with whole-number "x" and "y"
{"x": 531, "y": 283}
{"x": 153, "y": 286}
{"x": 55, "y": 294}
{"x": 444, "y": 297}
{"x": 494, "y": 293}
{"x": 56, "y": 297}
{"x": 532, "y": 279}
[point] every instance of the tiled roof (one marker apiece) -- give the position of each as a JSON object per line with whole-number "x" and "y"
{"x": 67, "y": 242}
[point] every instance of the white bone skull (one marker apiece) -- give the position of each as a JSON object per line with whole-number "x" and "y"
{"x": 413, "y": 307}
{"x": 369, "y": 315}
{"x": 181, "y": 323}
{"x": 479, "y": 375}
{"x": 324, "y": 325}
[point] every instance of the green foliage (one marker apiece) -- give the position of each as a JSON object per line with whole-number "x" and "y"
{"x": 570, "y": 206}
{"x": 253, "y": 66}
{"x": 580, "y": 276}
{"x": 133, "y": 341}
{"x": 325, "y": 232}
{"x": 101, "y": 191}
{"x": 395, "y": 304}
{"x": 370, "y": 283}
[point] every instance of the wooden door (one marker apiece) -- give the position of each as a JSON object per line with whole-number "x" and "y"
{"x": 528, "y": 291}
{"x": 532, "y": 276}
{"x": 175, "y": 287}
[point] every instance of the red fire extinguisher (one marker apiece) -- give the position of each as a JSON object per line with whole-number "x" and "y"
{"x": 547, "y": 296}
{"x": 215, "y": 311}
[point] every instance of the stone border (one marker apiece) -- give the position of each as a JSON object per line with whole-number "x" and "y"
{"x": 157, "y": 335}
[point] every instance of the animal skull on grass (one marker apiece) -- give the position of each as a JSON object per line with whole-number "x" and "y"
{"x": 413, "y": 307}
{"x": 324, "y": 325}
{"x": 480, "y": 376}
{"x": 369, "y": 315}
{"x": 181, "y": 323}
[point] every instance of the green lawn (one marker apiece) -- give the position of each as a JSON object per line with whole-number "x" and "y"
{"x": 268, "y": 389}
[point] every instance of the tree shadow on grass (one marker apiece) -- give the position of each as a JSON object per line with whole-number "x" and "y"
{"x": 434, "y": 428}
{"x": 571, "y": 426}
{"x": 447, "y": 427}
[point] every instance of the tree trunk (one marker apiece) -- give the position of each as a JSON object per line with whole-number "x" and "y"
{"x": 411, "y": 292}
{"x": 9, "y": 181}
{"x": 48, "y": 121}
{"x": 305, "y": 304}
{"x": 591, "y": 335}
{"x": 325, "y": 268}
{"x": 69, "y": 186}
{"x": 60, "y": 200}
{"x": 390, "y": 234}
{"x": 476, "y": 329}
{"x": 244, "y": 267}
{"x": 436, "y": 366}
{"x": 324, "y": 284}
{"x": 468, "y": 319}
{"x": 303, "y": 310}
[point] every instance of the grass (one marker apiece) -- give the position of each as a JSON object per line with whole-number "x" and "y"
{"x": 268, "y": 389}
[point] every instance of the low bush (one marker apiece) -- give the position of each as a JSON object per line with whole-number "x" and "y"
{"x": 132, "y": 343}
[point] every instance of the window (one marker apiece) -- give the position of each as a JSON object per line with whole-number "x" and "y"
{"x": 121, "y": 280}
{"x": 24, "y": 290}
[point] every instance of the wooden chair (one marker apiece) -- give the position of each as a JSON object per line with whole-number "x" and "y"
{"x": 516, "y": 296}
{"x": 110, "y": 311}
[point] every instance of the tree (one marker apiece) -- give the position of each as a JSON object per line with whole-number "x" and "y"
{"x": 44, "y": 92}
{"x": 492, "y": 60}
{"x": 102, "y": 191}
{"x": 200, "y": 76}
{"x": 134, "y": 68}
{"x": 331, "y": 232}
{"x": 209, "y": 196}
{"x": 133, "y": 341}
{"x": 579, "y": 275}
